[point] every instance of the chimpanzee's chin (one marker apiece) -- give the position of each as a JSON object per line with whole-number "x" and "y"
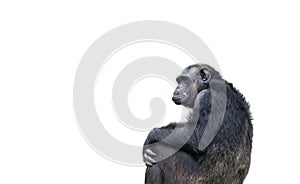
{"x": 177, "y": 103}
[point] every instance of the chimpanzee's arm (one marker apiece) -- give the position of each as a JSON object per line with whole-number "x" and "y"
{"x": 175, "y": 135}
{"x": 158, "y": 134}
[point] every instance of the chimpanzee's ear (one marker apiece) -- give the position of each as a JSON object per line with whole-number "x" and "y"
{"x": 205, "y": 75}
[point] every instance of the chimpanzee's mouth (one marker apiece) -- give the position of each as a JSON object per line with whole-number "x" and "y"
{"x": 177, "y": 99}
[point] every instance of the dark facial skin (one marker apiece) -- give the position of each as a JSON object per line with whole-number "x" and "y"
{"x": 186, "y": 91}
{"x": 190, "y": 83}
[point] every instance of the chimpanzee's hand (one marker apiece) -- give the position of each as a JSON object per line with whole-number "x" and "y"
{"x": 154, "y": 153}
{"x": 149, "y": 157}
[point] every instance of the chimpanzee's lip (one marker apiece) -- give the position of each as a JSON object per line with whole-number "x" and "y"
{"x": 178, "y": 97}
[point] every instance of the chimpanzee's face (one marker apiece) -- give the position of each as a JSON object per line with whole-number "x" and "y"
{"x": 190, "y": 83}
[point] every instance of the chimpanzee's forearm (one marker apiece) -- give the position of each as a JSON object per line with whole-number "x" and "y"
{"x": 180, "y": 136}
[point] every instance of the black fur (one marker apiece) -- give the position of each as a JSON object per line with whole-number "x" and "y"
{"x": 226, "y": 160}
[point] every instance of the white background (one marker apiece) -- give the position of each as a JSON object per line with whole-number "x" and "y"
{"x": 256, "y": 44}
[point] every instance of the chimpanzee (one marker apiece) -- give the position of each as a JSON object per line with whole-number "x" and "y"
{"x": 214, "y": 145}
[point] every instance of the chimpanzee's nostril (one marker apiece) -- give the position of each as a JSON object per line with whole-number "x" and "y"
{"x": 176, "y": 93}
